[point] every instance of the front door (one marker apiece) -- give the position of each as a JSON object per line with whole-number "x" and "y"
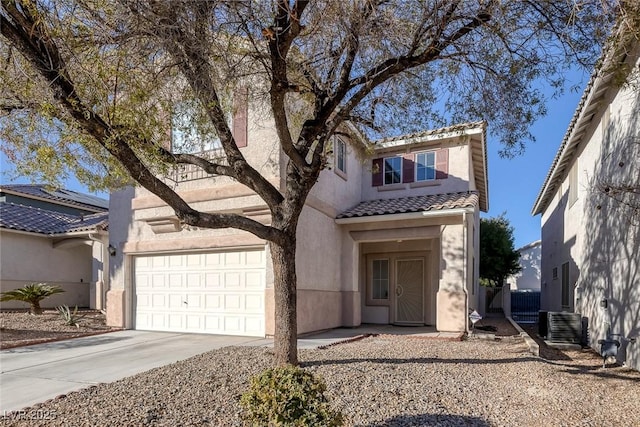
{"x": 409, "y": 291}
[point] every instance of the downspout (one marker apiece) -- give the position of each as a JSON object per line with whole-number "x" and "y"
{"x": 465, "y": 247}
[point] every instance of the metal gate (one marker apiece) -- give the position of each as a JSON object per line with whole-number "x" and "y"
{"x": 493, "y": 300}
{"x": 525, "y": 306}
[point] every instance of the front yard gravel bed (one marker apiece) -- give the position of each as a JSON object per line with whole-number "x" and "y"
{"x": 377, "y": 381}
{"x": 19, "y": 328}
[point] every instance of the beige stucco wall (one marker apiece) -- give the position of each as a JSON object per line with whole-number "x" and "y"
{"x": 457, "y": 180}
{"x": 595, "y": 235}
{"x": 340, "y": 191}
{"x": 27, "y": 258}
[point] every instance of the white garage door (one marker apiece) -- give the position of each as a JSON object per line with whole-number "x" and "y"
{"x": 215, "y": 293}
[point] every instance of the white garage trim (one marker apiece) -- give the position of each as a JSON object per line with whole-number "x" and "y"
{"x": 220, "y": 292}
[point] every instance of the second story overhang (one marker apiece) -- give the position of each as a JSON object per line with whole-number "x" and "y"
{"x": 472, "y": 133}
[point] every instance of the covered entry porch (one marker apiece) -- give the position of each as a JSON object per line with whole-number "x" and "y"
{"x": 411, "y": 269}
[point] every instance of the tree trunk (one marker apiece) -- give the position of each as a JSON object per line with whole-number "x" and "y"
{"x": 286, "y": 325}
{"x": 35, "y": 308}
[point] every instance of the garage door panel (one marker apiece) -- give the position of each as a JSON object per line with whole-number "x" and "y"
{"x": 212, "y": 259}
{"x": 223, "y": 291}
{"x": 193, "y": 260}
{"x": 232, "y": 302}
{"x": 195, "y": 322}
{"x": 194, "y": 280}
{"x": 159, "y": 300}
{"x": 213, "y": 302}
{"x": 232, "y": 280}
{"x": 233, "y": 259}
{"x": 254, "y": 325}
{"x": 158, "y": 281}
{"x": 175, "y": 302}
{"x": 175, "y": 281}
{"x": 254, "y": 259}
{"x": 175, "y": 321}
{"x": 254, "y": 280}
{"x": 158, "y": 261}
{"x": 254, "y": 303}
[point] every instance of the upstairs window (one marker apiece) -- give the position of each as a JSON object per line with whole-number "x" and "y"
{"x": 191, "y": 131}
{"x": 340, "y": 149}
{"x": 425, "y": 166}
{"x": 392, "y": 170}
{"x": 410, "y": 167}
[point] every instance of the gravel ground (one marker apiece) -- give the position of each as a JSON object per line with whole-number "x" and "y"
{"x": 20, "y": 328}
{"x": 377, "y": 381}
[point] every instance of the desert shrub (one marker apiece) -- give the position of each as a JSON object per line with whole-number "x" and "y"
{"x": 288, "y": 396}
{"x": 69, "y": 317}
{"x": 32, "y": 293}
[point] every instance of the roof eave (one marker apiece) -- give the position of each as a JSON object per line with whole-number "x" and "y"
{"x": 446, "y": 133}
{"x": 85, "y": 207}
{"x": 594, "y": 92}
{"x": 587, "y": 108}
{"x": 404, "y": 216}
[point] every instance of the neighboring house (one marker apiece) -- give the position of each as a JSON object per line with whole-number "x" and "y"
{"x": 53, "y": 236}
{"x": 388, "y": 237}
{"x": 590, "y": 231}
{"x": 528, "y": 279}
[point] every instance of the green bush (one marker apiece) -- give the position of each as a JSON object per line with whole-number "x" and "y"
{"x": 288, "y": 396}
{"x": 32, "y": 294}
{"x": 69, "y": 317}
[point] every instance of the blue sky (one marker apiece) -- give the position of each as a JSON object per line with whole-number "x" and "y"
{"x": 513, "y": 183}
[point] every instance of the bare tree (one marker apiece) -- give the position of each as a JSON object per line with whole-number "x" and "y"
{"x": 87, "y": 86}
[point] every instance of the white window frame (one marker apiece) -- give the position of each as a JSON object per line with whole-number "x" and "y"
{"x": 417, "y": 166}
{"x": 371, "y": 259}
{"x": 384, "y": 170}
{"x": 340, "y": 157}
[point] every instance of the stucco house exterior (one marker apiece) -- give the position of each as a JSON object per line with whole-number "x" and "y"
{"x": 528, "y": 279}
{"x": 590, "y": 230}
{"x": 54, "y": 236}
{"x": 388, "y": 235}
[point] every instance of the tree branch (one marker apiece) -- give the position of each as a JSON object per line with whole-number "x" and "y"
{"x": 34, "y": 43}
{"x": 194, "y": 63}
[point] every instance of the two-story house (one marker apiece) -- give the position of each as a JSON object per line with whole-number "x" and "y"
{"x": 389, "y": 237}
{"x": 56, "y": 236}
{"x": 590, "y": 209}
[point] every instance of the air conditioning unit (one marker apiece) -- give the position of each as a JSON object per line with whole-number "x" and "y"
{"x": 564, "y": 327}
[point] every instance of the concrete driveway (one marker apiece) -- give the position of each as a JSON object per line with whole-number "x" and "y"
{"x": 40, "y": 372}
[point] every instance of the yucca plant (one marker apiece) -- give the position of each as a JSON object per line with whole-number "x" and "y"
{"x": 32, "y": 293}
{"x": 69, "y": 317}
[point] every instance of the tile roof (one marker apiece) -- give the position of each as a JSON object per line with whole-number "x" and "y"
{"x": 444, "y": 130}
{"x": 36, "y": 220}
{"x": 59, "y": 195}
{"x": 433, "y": 202}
